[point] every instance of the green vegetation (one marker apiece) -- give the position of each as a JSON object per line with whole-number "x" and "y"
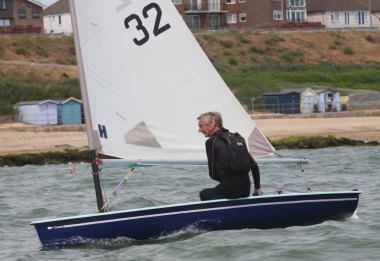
{"x": 58, "y": 157}
{"x": 72, "y": 50}
{"x": 369, "y": 38}
{"x": 226, "y": 44}
{"x": 274, "y": 39}
{"x": 31, "y": 87}
{"x": 22, "y": 51}
{"x": 271, "y": 75}
{"x": 317, "y": 142}
{"x": 233, "y": 61}
{"x": 337, "y": 42}
{"x": 226, "y": 53}
{"x": 282, "y": 49}
{"x": 244, "y": 40}
{"x": 332, "y": 47}
{"x": 289, "y": 55}
{"x": 41, "y": 51}
{"x": 348, "y": 50}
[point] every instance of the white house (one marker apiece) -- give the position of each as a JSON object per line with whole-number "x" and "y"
{"x": 38, "y": 112}
{"x": 57, "y": 18}
{"x": 344, "y": 13}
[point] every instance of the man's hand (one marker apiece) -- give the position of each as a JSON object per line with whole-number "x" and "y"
{"x": 258, "y": 192}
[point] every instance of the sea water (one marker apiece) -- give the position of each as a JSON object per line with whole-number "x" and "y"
{"x": 37, "y": 192}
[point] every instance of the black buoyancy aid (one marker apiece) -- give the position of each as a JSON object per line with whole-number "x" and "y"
{"x": 237, "y": 158}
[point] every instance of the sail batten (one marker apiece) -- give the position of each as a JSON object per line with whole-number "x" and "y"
{"x": 148, "y": 80}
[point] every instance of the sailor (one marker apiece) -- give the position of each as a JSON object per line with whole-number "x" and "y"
{"x": 229, "y": 161}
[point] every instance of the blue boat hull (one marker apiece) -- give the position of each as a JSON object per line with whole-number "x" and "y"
{"x": 264, "y": 212}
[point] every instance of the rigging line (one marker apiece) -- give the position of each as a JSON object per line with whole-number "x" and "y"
{"x": 304, "y": 177}
{"x": 119, "y": 187}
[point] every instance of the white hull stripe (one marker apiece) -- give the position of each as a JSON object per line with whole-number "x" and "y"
{"x": 200, "y": 210}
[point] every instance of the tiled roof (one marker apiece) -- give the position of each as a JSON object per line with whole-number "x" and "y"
{"x": 60, "y": 7}
{"x": 341, "y": 5}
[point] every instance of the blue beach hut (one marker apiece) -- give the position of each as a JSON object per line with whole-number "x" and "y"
{"x": 291, "y": 101}
{"x": 69, "y": 111}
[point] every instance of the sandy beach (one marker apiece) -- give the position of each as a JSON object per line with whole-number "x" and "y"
{"x": 355, "y": 128}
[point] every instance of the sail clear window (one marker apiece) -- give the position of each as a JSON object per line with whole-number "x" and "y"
{"x": 334, "y": 16}
{"x": 3, "y": 4}
{"x": 35, "y": 13}
{"x": 243, "y": 18}
{"x": 231, "y": 18}
{"x": 277, "y": 15}
{"x": 22, "y": 13}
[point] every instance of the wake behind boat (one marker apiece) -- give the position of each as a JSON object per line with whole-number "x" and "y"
{"x": 144, "y": 80}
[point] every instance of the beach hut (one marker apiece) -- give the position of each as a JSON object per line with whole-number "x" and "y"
{"x": 38, "y": 112}
{"x": 291, "y": 101}
{"x": 328, "y": 100}
{"x": 309, "y": 101}
{"x": 69, "y": 111}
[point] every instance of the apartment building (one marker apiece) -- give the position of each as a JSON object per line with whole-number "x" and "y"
{"x": 239, "y": 13}
{"x": 21, "y": 13}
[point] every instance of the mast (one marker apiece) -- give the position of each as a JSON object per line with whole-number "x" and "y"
{"x": 86, "y": 108}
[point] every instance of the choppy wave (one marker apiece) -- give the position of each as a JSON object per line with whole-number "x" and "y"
{"x": 36, "y": 192}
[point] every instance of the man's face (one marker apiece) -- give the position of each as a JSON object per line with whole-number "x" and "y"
{"x": 207, "y": 130}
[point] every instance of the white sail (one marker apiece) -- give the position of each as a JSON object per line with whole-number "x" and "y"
{"x": 148, "y": 80}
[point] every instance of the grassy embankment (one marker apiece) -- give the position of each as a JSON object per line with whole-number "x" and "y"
{"x": 250, "y": 64}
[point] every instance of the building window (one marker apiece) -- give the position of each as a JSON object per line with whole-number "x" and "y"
{"x": 177, "y": 2}
{"x": 193, "y": 21}
{"x": 277, "y": 15}
{"x": 231, "y": 18}
{"x": 21, "y": 13}
{"x": 35, "y": 13}
{"x": 296, "y": 3}
{"x": 243, "y": 17}
{"x": 296, "y": 15}
{"x": 3, "y": 4}
{"x": 5, "y": 22}
{"x": 59, "y": 19}
{"x": 334, "y": 16}
{"x": 241, "y": 1}
{"x": 231, "y": 2}
{"x": 361, "y": 17}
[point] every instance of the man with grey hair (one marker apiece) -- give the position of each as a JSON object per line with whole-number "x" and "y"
{"x": 229, "y": 161}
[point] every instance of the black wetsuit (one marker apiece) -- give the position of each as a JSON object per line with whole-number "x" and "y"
{"x": 234, "y": 185}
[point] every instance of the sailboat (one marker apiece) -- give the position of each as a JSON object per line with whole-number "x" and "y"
{"x": 144, "y": 80}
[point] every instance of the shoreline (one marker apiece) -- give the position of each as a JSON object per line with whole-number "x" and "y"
{"x": 365, "y": 129}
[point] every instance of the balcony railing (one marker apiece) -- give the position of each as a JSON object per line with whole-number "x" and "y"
{"x": 206, "y": 7}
